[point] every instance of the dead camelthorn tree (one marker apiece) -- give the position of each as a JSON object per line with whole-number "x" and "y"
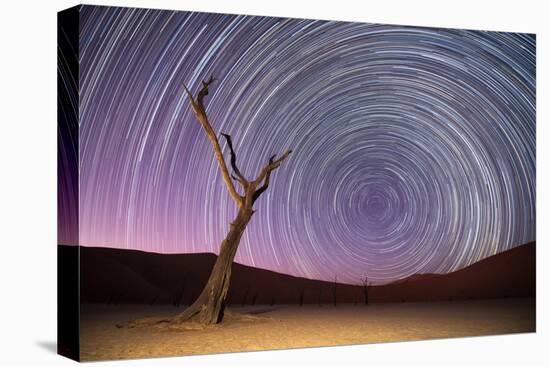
{"x": 366, "y": 285}
{"x": 302, "y": 291}
{"x": 209, "y": 307}
{"x": 334, "y": 290}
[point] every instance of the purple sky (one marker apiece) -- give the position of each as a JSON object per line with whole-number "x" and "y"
{"x": 414, "y": 148}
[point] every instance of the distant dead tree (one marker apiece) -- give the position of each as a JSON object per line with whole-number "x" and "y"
{"x": 254, "y": 298}
{"x": 366, "y": 285}
{"x": 209, "y": 307}
{"x": 245, "y": 296}
{"x": 302, "y": 291}
{"x": 334, "y": 290}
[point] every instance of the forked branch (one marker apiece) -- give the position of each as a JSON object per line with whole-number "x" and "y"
{"x": 270, "y": 166}
{"x": 265, "y": 174}
{"x": 238, "y": 176}
{"x": 264, "y": 187}
{"x": 251, "y": 193}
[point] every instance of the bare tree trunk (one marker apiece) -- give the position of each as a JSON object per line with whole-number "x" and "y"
{"x": 366, "y": 289}
{"x": 210, "y": 305}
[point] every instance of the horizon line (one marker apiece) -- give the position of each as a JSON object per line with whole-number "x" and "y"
{"x": 295, "y": 276}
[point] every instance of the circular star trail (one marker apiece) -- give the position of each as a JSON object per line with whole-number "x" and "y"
{"x": 413, "y": 148}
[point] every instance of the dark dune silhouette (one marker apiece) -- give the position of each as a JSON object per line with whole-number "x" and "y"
{"x": 415, "y": 277}
{"x": 511, "y": 273}
{"x": 135, "y": 277}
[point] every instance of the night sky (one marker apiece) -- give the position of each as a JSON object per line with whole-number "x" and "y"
{"x": 413, "y": 148}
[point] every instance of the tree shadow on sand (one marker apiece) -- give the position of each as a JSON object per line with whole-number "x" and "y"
{"x": 263, "y": 310}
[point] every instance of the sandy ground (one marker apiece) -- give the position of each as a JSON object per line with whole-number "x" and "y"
{"x": 283, "y": 327}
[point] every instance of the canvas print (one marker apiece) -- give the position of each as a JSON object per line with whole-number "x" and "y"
{"x": 233, "y": 183}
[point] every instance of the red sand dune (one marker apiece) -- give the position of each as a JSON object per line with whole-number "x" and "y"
{"x": 129, "y": 276}
{"x": 415, "y": 277}
{"x": 508, "y": 274}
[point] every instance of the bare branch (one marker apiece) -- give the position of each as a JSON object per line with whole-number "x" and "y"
{"x": 189, "y": 95}
{"x": 200, "y": 113}
{"x": 204, "y": 90}
{"x": 265, "y": 174}
{"x": 239, "y": 177}
{"x": 264, "y": 187}
{"x": 272, "y": 164}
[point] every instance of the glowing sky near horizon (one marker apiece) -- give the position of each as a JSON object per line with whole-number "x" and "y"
{"x": 413, "y": 148}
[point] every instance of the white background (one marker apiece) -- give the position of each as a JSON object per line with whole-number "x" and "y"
{"x": 28, "y": 182}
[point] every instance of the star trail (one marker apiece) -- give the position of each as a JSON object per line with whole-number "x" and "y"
{"x": 413, "y": 148}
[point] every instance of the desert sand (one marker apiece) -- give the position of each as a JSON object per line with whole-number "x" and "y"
{"x": 292, "y": 326}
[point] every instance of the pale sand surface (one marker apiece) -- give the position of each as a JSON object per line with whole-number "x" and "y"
{"x": 291, "y": 326}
